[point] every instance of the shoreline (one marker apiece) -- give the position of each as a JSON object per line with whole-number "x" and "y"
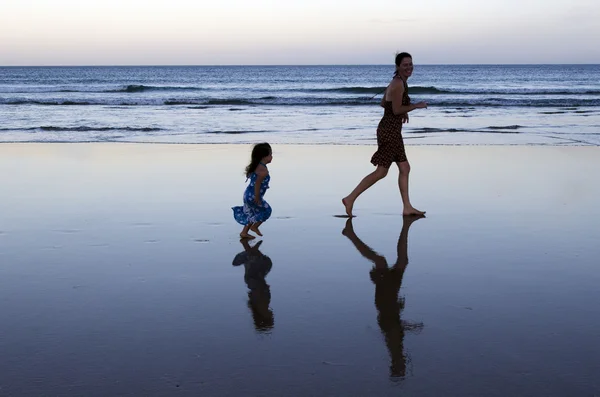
{"x": 301, "y": 144}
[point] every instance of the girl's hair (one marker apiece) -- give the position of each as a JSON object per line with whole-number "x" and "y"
{"x": 399, "y": 57}
{"x": 259, "y": 151}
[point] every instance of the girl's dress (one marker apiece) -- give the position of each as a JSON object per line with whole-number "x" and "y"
{"x": 251, "y": 212}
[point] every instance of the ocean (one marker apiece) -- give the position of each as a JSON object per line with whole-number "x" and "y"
{"x": 468, "y": 104}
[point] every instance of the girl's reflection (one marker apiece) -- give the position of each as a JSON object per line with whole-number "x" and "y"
{"x": 388, "y": 281}
{"x": 257, "y": 265}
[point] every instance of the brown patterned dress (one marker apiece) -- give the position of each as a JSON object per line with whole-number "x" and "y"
{"x": 390, "y": 146}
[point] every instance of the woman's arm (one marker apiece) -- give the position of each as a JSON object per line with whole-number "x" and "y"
{"x": 398, "y": 107}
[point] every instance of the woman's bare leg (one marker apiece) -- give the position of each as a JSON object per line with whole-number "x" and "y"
{"x": 408, "y": 209}
{"x": 368, "y": 181}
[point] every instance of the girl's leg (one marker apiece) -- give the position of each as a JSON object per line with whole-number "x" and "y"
{"x": 244, "y": 233}
{"x": 254, "y": 228}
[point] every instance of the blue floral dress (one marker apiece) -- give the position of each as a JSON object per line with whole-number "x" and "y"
{"x": 251, "y": 212}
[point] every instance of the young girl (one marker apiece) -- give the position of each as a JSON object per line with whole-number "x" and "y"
{"x": 255, "y": 210}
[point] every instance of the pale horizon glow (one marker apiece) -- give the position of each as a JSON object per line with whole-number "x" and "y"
{"x": 296, "y": 32}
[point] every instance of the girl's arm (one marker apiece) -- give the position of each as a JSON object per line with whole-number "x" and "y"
{"x": 261, "y": 173}
{"x": 397, "y": 106}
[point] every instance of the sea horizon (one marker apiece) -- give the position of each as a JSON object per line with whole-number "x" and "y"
{"x": 297, "y": 65}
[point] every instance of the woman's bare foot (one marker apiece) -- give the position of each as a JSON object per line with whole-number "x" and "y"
{"x": 349, "y": 229}
{"x": 348, "y": 204}
{"x": 255, "y": 230}
{"x": 412, "y": 211}
{"x": 409, "y": 219}
{"x": 246, "y": 236}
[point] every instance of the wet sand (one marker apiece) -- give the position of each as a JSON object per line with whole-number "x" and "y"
{"x": 121, "y": 273}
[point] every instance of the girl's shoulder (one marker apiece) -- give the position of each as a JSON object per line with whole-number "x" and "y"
{"x": 261, "y": 170}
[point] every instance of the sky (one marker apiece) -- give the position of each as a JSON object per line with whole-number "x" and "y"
{"x": 286, "y": 32}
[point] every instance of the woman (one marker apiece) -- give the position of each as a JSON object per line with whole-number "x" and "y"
{"x": 390, "y": 146}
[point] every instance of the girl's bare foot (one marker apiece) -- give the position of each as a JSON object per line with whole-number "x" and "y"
{"x": 255, "y": 230}
{"x": 412, "y": 211}
{"x": 348, "y": 204}
{"x": 246, "y": 236}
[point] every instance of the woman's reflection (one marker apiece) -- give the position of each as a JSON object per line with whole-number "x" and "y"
{"x": 388, "y": 281}
{"x": 257, "y": 265}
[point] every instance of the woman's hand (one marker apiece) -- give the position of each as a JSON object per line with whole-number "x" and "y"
{"x": 421, "y": 105}
{"x": 258, "y": 201}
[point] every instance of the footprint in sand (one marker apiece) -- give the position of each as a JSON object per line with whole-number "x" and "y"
{"x": 201, "y": 241}
{"x": 151, "y": 241}
{"x": 387, "y": 213}
{"x": 52, "y": 247}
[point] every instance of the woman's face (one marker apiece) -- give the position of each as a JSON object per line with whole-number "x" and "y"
{"x": 405, "y": 68}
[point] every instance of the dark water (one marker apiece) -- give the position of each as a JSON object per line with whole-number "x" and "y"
{"x": 469, "y": 104}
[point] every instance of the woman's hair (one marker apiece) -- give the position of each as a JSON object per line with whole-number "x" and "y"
{"x": 399, "y": 57}
{"x": 259, "y": 151}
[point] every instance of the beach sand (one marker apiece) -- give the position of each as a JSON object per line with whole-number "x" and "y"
{"x": 121, "y": 273}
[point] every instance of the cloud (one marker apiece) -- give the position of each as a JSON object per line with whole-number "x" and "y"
{"x": 389, "y": 21}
